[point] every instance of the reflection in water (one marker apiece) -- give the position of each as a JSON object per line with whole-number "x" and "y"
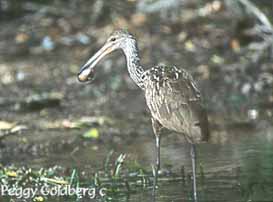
{"x": 241, "y": 168}
{"x": 237, "y": 165}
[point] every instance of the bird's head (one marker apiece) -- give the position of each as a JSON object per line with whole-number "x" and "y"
{"x": 117, "y": 40}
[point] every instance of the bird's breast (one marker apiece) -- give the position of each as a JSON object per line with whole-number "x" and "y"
{"x": 172, "y": 108}
{"x": 163, "y": 109}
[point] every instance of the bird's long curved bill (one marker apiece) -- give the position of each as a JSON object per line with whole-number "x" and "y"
{"x": 87, "y": 70}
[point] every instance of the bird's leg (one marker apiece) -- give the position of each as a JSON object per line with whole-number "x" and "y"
{"x": 157, "y": 143}
{"x": 156, "y": 128}
{"x": 193, "y": 159}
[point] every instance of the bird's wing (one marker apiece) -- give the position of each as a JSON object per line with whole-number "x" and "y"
{"x": 175, "y": 96}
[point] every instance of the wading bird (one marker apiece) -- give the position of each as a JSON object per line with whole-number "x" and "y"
{"x": 171, "y": 94}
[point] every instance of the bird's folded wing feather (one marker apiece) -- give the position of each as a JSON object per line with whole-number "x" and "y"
{"x": 177, "y": 97}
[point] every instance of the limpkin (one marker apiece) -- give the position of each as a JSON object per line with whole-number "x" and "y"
{"x": 171, "y": 94}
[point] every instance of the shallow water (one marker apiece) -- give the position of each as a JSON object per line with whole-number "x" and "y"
{"x": 236, "y": 163}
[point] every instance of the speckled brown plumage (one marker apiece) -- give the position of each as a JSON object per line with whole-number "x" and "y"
{"x": 175, "y": 102}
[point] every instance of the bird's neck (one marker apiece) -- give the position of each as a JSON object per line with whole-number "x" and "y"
{"x": 133, "y": 62}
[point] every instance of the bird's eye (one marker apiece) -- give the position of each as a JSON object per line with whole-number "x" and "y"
{"x": 113, "y": 39}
